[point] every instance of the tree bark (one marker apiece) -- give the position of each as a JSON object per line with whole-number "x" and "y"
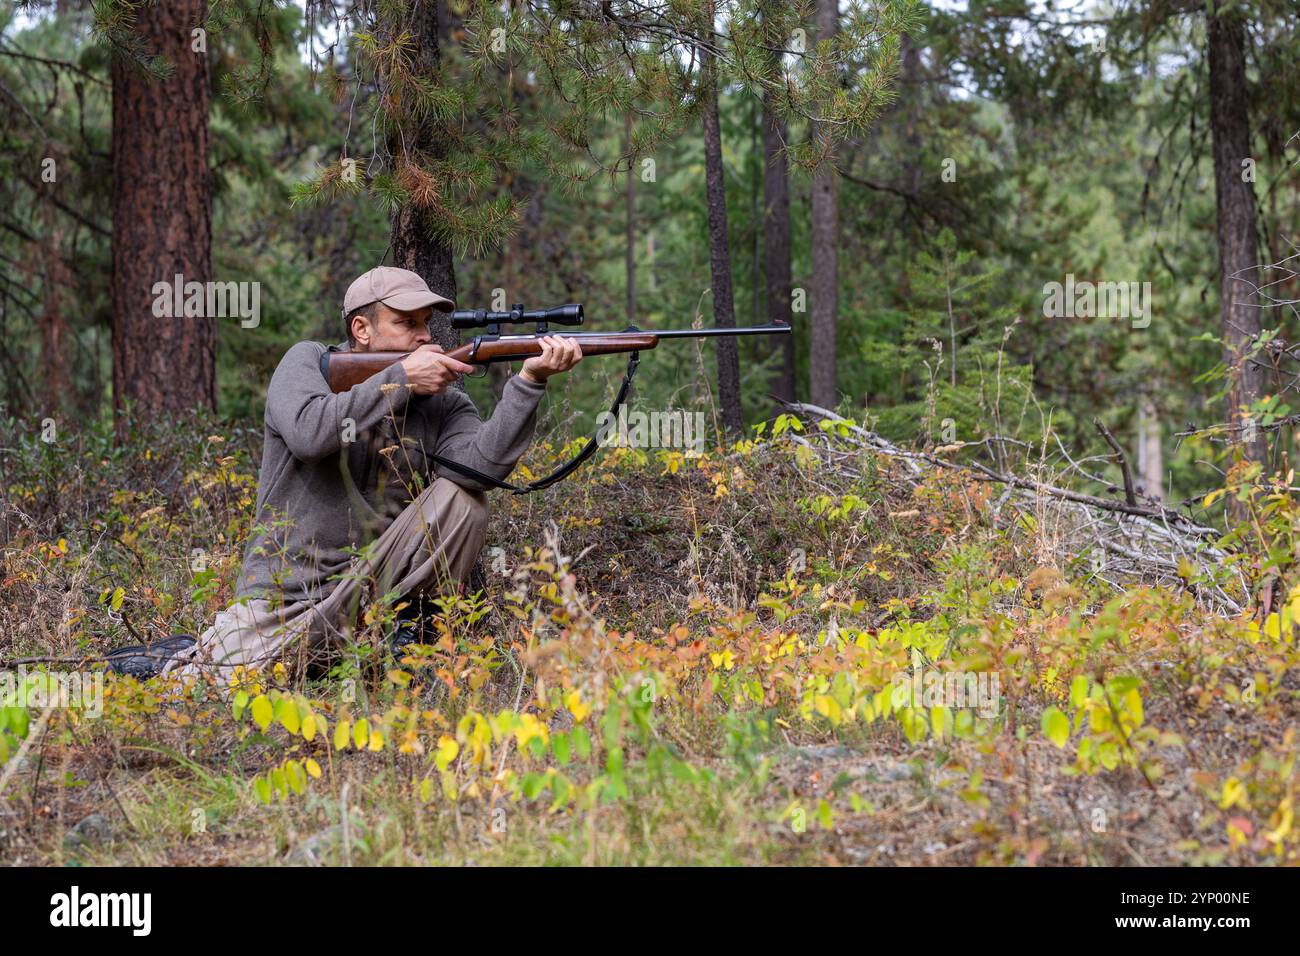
{"x": 1150, "y": 452}
{"x": 54, "y": 324}
{"x": 724, "y": 312}
{"x": 776, "y": 241}
{"x": 162, "y": 219}
{"x": 1235, "y": 203}
{"x": 910, "y": 95}
{"x": 630, "y": 253}
{"x": 413, "y": 244}
{"x": 825, "y": 251}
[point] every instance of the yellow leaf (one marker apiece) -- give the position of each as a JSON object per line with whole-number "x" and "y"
{"x": 528, "y": 728}
{"x": 829, "y": 708}
{"x": 1133, "y": 704}
{"x": 577, "y": 708}
{"x": 426, "y": 790}
{"x": 447, "y": 751}
{"x": 1286, "y": 817}
{"x": 263, "y": 712}
{"x": 1056, "y": 726}
{"x": 1234, "y": 793}
{"x": 376, "y": 741}
{"x": 360, "y": 733}
{"x": 313, "y": 768}
{"x": 289, "y": 716}
{"x": 341, "y": 733}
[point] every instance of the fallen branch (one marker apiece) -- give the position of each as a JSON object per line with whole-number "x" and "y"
{"x": 1150, "y": 542}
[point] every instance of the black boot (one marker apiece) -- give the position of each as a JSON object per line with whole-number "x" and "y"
{"x": 414, "y": 624}
{"x": 143, "y": 661}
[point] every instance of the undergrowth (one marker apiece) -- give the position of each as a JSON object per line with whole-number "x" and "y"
{"x": 747, "y": 656}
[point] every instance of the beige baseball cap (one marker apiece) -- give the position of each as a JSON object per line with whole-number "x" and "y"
{"x": 399, "y": 289}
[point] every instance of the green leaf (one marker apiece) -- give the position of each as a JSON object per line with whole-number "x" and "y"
{"x": 1078, "y": 691}
{"x": 914, "y": 726}
{"x": 296, "y": 776}
{"x": 614, "y": 760}
{"x": 19, "y": 721}
{"x": 560, "y": 745}
{"x": 612, "y": 725}
{"x": 1108, "y": 754}
{"x": 561, "y": 788}
{"x": 533, "y": 784}
{"x": 825, "y": 816}
{"x": 1056, "y": 726}
{"x": 1119, "y": 686}
{"x": 582, "y": 742}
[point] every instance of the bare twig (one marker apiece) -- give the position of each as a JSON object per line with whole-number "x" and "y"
{"x": 1121, "y": 459}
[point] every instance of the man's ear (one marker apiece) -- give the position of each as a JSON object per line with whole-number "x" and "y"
{"x": 361, "y": 330}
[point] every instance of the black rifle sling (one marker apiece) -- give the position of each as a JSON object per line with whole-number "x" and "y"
{"x": 564, "y": 470}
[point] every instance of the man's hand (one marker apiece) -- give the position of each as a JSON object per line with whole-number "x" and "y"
{"x": 559, "y": 354}
{"x": 429, "y": 371}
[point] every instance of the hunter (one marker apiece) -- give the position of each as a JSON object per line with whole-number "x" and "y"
{"x": 349, "y": 508}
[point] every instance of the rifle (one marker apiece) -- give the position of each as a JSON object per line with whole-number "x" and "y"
{"x": 343, "y": 370}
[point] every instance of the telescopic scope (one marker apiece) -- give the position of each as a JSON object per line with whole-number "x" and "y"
{"x": 570, "y": 314}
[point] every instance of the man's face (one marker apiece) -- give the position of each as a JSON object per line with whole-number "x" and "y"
{"x": 393, "y": 331}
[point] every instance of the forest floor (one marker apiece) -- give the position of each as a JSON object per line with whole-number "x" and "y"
{"x": 758, "y": 655}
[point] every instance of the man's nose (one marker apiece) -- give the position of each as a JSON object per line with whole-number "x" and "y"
{"x": 423, "y": 337}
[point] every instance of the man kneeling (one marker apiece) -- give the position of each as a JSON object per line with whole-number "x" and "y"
{"x": 339, "y": 505}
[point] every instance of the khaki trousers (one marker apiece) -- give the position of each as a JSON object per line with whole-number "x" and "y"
{"x": 430, "y": 546}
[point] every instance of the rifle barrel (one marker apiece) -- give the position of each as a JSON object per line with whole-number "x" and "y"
{"x": 773, "y": 329}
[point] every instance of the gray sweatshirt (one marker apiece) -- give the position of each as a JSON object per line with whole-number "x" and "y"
{"x": 320, "y": 495}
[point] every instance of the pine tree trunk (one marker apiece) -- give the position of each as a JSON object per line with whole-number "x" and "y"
{"x": 54, "y": 324}
{"x": 630, "y": 251}
{"x": 1235, "y": 202}
{"x": 825, "y": 252}
{"x": 910, "y": 95}
{"x": 1151, "y": 459}
{"x": 724, "y": 313}
{"x": 413, "y": 245}
{"x": 776, "y": 242}
{"x": 162, "y": 219}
